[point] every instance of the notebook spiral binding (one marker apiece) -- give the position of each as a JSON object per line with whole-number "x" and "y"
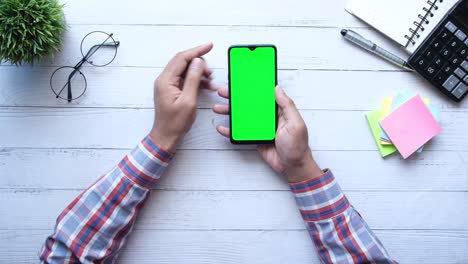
{"x": 423, "y": 19}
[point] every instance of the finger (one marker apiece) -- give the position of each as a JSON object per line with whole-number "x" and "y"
{"x": 179, "y": 63}
{"x": 216, "y": 87}
{"x": 221, "y": 109}
{"x": 270, "y": 155}
{"x": 282, "y": 99}
{"x": 193, "y": 78}
{"x": 286, "y": 104}
{"x": 207, "y": 84}
{"x": 280, "y": 112}
{"x": 208, "y": 72}
{"x": 264, "y": 150}
{"x": 223, "y": 92}
{"x": 224, "y": 131}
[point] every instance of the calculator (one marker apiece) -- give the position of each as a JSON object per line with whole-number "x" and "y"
{"x": 442, "y": 58}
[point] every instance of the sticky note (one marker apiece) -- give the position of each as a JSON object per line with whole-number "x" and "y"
{"x": 373, "y": 118}
{"x": 410, "y": 126}
{"x": 386, "y": 105}
{"x": 435, "y": 112}
{"x": 394, "y": 104}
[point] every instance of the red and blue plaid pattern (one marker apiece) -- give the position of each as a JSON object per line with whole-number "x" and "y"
{"x": 94, "y": 227}
{"x": 338, "y": 231}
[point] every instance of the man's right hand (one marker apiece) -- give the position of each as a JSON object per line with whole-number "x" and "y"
{"x": 291, "y": 154}
{"x": 176, "y": 96}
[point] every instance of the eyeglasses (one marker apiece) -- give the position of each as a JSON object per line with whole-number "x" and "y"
{"x": 69, "y": 83}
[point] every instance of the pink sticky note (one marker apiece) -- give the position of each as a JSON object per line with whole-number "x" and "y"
{"x": 410, "y": 126}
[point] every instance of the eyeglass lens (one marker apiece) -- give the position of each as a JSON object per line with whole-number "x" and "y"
{"x": 68, "y": 83}
{"x": 99, "y": 48}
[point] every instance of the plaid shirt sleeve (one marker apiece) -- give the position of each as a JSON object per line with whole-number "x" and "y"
{"x": 93, "y": 228}
{"x": 338, "y": 231}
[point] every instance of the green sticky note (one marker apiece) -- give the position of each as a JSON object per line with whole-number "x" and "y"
{"x": 373, "y": 118}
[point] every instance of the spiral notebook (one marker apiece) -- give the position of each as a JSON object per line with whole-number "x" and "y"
{"x": 408, "y": 22}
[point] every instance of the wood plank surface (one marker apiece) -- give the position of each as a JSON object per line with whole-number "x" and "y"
{"x": 90, "y": 128}
{"x": 269, "y": 247}
{"x": 246, "y": 210}
{"x": 295, "y": 13}
{"x": 153, "y": 46}
{"x": 220, "y": 170}
{"x": 109, "y": 87}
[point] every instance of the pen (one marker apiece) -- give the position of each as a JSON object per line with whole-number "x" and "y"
{"x": 372, "y": 47}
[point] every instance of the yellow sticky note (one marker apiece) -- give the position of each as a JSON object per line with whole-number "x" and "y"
{"x": 386, "y": 105}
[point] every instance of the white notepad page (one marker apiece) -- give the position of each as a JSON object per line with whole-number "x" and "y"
{"x": 395, "y": 18}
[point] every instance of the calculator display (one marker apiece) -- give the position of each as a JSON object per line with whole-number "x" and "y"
{"x": 462, "y": 14}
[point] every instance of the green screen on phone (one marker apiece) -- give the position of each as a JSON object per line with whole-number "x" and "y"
{"x": 252, "y": 81}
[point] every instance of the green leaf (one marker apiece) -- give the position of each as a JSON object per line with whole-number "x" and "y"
{"x": 30, "y": 29}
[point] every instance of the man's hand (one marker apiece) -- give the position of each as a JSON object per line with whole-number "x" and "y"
{"x": 175, "y": 96}
{"x": 291, "y": 153}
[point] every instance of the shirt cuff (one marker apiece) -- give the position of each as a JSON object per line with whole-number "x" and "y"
{"x": 146, "y": 163}
{"x": 320, "y": 198}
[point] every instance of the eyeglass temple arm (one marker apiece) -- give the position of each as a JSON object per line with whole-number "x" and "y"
{"x": 95, "y": 48}
{"x": 68, "y": 84}
{"x": 69, "y": 94}
{"x": 91, "y": 51}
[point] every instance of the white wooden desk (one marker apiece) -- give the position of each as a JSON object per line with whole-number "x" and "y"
{"x": 219, "y": 203}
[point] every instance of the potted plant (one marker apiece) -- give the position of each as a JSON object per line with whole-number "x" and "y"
{"x": 30, "y": 30}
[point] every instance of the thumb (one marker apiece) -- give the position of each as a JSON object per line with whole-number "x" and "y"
{"x": 285, "y": 103}
{"x": 192, "y": 78}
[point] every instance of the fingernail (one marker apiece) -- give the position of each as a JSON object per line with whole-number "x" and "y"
{"x": 207, "y": 44}
{"x": 279, "y": 89}
{"x": 196, "y": 63}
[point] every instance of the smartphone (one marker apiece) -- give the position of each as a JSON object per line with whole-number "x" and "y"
{"x": 252, "y": 82}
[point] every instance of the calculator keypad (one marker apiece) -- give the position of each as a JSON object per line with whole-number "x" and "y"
{"x": 446, "y": 53}
{"x": 451, "y": 27}
{"x": 460, "y": 35}
{"x": 460, "y": 73}
{"x": 447, "y": 68}
{"x": 464, "y": 65}
{"x": 450, "y": 83}
{"x": 440, "y": 78}
{"x": 444, "y": 59}
{"x": 438, "y": 61}
{"x": 429, "y": 54}
{"x": 460, "y": 90}
{"x": 445, "y": 35}
{"x": 463, "y": 51}
{"x": 437, "y": 44}
{"x": 454, "y": 44}
{"x": 455, "y": 60}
